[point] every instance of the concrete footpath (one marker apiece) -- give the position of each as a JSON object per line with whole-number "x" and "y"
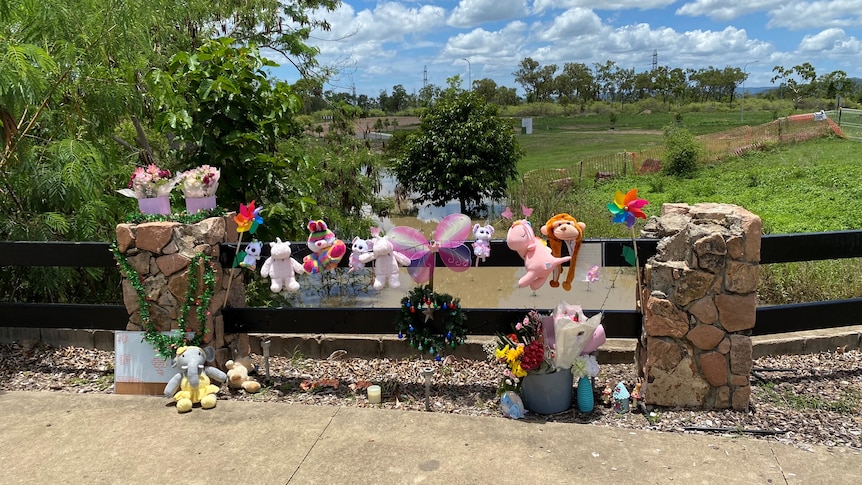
{"x": 97, "y": 438}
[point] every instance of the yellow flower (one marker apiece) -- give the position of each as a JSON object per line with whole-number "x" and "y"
{"x": 518, "y": 371}
{"x": 501, "y": 353}
{"x": 514, "y": 354}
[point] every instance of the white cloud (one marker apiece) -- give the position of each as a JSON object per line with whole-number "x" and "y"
{"x": 363, "y": 35}
{"x": 470, "y": 13}
{"x": 540, "y": 6}
{"x": 820, "y": 14}
{"x": 572, "y": 23}
{"x": 832, "y": 43}
{"x": 726, "y": 9}
{"x": 485, "y": 44}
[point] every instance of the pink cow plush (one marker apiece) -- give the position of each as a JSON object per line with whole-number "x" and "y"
{"x": 538, "y": 260}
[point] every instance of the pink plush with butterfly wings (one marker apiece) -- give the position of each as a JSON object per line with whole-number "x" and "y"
{"x": 448, "y": 240}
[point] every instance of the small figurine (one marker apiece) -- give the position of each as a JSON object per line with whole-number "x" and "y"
{"x": 512, "y": 405}
{"x": 607, "y": 395}
{"x": 621, "y": 398}
{"x": 637, "y": 395}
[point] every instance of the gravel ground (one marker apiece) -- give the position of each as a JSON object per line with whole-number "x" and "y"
{"x": 798, "y": 399}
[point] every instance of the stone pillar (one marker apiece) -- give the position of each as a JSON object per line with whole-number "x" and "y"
{"x": 161, "y": 253}
{"x": 700, "y": 294}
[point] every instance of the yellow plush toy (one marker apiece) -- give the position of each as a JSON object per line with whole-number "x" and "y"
{"x": 192, "y": 384}
{"x": 237, "y": 375}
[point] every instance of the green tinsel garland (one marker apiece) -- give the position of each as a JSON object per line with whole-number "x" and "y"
{"x": 420, "y": 309}
{"x": 167, "y": 345}
{"x": 181, "y": 217}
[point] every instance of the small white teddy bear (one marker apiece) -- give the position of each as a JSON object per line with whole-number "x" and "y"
{"x": 386, "y": 260}
{"x": 281, "y": 268}
{"x": 482, "y": 245}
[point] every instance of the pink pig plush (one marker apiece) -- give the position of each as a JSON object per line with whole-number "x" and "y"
{"x": 538, "y": 260}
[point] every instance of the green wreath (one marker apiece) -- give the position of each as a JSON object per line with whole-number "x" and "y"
{"x": 431, "y": 321}
{"x": 166, "y": 345}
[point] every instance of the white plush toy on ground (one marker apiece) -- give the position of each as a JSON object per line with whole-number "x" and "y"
{"x": 386, "y": 260}
{"x": 281, "y": 268}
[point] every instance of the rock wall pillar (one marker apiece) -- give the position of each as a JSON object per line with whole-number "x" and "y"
{"x": 161, "y": 253}
{"x": 700, "y": 297}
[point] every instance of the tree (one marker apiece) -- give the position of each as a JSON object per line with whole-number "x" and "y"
{"x": 462, "y": 151}
{"x": 221, "y": 104}
{"x": 528, "y": 77}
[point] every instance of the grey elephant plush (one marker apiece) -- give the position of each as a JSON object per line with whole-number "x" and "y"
{"x": 194, "y": 382}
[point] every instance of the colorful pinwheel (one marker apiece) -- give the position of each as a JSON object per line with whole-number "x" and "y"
{"x": 626, "y": 208}
{"x": 248, "y": 218}
{"x": 448, "y": 240}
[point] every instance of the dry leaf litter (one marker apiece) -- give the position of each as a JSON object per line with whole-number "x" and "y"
{"x": 804, "y": 400}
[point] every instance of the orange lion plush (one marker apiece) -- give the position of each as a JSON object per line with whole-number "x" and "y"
{"x": 563, "y": 228}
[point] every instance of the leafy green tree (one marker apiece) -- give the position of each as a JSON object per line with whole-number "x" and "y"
{"x": 223, "y": 110}
{"x": 462, "y": 151}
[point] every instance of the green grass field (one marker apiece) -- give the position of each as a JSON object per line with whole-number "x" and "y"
{"x": 560, "y": 142}
{"x": 806, "y": 187}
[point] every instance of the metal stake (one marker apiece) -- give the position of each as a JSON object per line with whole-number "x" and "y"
{"x": 427, "y": 373}
{"x": 265, "y": 344}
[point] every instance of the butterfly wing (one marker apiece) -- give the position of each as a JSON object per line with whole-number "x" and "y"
{"x": 453, "y": 230}
{"x": 457, "y": 258}
{"x": 409, "y": 242}
{"x": 450, "y": 235}
{"x": 420, "y": 269}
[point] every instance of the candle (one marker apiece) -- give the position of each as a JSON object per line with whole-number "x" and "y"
{"x": 374, "y": 394}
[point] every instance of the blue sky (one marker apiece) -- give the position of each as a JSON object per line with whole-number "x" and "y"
{"x": 376, "y": 45}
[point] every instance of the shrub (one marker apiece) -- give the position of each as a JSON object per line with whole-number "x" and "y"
{"x": 682, "y": 152}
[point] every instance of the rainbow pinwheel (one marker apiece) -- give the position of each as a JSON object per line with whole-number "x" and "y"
{"x": 448, "y": 240}
{"x": 626, "y": 208}
{"x": 248, "y": 218}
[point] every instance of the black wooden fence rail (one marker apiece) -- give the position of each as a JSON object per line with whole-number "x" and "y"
{"x": 481, "y": 321}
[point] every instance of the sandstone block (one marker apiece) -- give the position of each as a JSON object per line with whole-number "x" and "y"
{"x": 736, "y": 312}
{"x": 740, "y": 354}
{"x": 130, "y": 297}
{"x": 722, "y": 397}
{"x": 741, "y": 277}
{"x": 738, "y": 381}
{"x": 153, "y": 236}
{"x": 663, "y": 353}
{"x": 741, "y": 398}
{"x": 171, "y": 263}
{"x": 704, "y": 310}
{"x": 735, "y": 247}
{"x": 705, "y": 337}
{"x": 724, "y": 346}
{"x": 713, "y": 365}
{"x": 664, "y": 319}
{"x": 681, "y": 386}
{"x": 692, "y": 286}
{"x": 125, "y": 237}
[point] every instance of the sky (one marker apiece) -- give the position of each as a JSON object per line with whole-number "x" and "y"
{"x": 376, "y": 45}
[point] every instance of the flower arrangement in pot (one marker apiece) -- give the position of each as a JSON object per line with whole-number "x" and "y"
{"x": 544, "y": 352}
{"x": 199, "y": 188}
{"x": 529, "y": 366}
{"x": 152, "y": 187}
